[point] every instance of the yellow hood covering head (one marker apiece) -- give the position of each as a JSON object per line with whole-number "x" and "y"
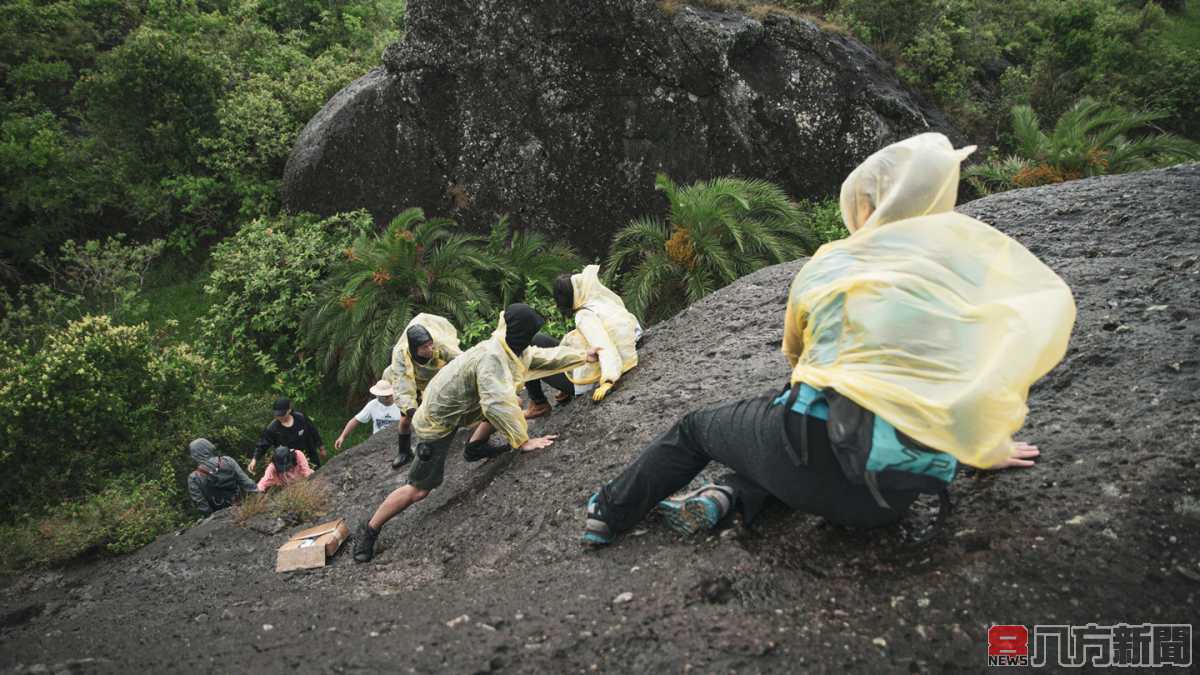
{"x": 409, "y": 376}
{"x": 589, "y": 290}
{"x": 915, "y": 177}
{"x": 602, "y": 321}
{"x": 932, "y": 320}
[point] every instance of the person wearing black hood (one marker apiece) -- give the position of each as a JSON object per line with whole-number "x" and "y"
{"x": 428, "y": 343}
{"x": 478, "y": 386}
{"x": 217, "y": 480}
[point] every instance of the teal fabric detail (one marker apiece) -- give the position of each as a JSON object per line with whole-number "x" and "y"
{"x": 808, "y": 402}
{"x": 887, "y": 452}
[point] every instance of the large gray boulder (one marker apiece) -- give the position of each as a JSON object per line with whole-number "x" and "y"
{"x": 561, "y": 113}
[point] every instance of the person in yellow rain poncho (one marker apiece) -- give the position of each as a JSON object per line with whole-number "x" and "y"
{"x": 479, "y": 386}
{"x": 601, "y": 320}
{"x": 429, "y": 342}
{"x": 913, "y": 343}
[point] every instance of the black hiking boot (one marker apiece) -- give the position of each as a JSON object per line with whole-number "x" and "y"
{"x": 403, "y": 451}
{"x": 364, "y": 542}
{"x": 478, "y": 450}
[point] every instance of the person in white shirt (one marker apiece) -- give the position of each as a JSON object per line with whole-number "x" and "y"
{"x": 381, "y": 411}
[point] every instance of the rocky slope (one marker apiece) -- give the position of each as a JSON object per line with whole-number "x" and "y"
{"x": 1103, "y": 530}
{"x": 561, "y": 113}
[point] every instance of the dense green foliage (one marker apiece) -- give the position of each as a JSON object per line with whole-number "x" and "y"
{"x": 127, "y": 514}
{"x": 136, "y": 133}
{"x": 164, "y": 118}
{"x": 1090, "y": 139}
{"x": 263, "y": 284}
{"x": 416, "y": 265}
{"x": 978, "y": 58}
{"x": 98, "y": 400}
{"x": 715, "y": 232}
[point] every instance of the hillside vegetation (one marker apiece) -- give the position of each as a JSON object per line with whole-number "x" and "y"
{"x": 153, "y": 291}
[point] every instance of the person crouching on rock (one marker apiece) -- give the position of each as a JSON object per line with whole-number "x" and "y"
{"x": 481, "y": 385}
{"x": 217, "y": 481}
{"x": 429, "y": 342}
{"x": 287, "y": 465}
{"x": 601, "y": 320}
{"x": 381, "y": 411}
{"x": 290, "y": 428}
{"x": 913, "y": 343}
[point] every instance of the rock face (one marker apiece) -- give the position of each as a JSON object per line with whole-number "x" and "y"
{"x": 487, "y": 575}
{"x": 561, "y": 113}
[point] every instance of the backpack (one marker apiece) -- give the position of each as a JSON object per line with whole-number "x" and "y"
{"x": 219, "y": 487}
{"x": 869, "y": 458}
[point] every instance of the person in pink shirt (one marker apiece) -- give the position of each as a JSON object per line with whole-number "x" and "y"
{"x": 286, "y": 466}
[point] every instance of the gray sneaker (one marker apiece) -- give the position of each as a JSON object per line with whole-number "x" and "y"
{"x": 698, "y": 510}
{"x": 364, "y": 542}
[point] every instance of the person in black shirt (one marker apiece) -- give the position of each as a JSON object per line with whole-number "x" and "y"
{"x": 291, "y": 429}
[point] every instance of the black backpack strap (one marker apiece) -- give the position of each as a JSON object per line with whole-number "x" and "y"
{"x": 873, "y": 486}
{"x": 801, "y": 458}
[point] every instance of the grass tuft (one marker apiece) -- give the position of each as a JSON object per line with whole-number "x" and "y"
{"x": 296, "y": 502}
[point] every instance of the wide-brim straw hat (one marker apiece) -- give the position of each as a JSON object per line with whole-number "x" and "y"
{"x": 383, "y": 388}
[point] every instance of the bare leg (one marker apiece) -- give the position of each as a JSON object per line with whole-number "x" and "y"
{"x": 482, "y": 432}
{"x": 401, "y": 498}
{"x": 405, "y": 425}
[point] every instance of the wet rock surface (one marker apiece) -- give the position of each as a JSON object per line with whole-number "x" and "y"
{"x": 561, "y": 113}
{"x": 487, "y": 575}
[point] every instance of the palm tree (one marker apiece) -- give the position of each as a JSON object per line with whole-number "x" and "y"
{"x": 716, "y": 231}
{"x": 1091, "y": 139}
{"x": 383, "y": 280}
{"x": 519, "y": 257}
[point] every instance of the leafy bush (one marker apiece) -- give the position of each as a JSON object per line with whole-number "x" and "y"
{"x": 978, "y": 58}
{"x": 264, "y": 281}
{"x": 716, "y": 231}
{"x": 824, "y": 219}
{"x": 1090, "y": 139}
{"x": 107, "y": 275}
{"x": 126, "y": 515}
{"x": 98, "y": 400}
{"x": 163, "y": 119}
{"x": 536, "y": 296}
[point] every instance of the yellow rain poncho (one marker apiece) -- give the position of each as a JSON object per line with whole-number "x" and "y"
{"x": 932, "y": 320}
{"x": 601, "y": 320}
{"x": 483, "y": 384}
{"x": 410, "y": 377}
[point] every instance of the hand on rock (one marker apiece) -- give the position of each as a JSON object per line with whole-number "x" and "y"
{"x": 601, "y": 391}
{"x": 1021, "y": 454}
{"x": 538, "y": 443}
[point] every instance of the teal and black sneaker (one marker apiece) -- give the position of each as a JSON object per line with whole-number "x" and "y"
{"x": 698, "y": 510}
{"x": 595, "y": 530}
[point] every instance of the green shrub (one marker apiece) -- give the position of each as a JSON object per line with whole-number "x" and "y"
{"x": 126, "y": 515}
{"x": 824, "y": 219}
{"x": 715, "y": 232}
{"x": 263, "y": 283}
{"x": 98, "y": 400}
{"x": 536, "y": 296}
{"x": 978, "y": 58}
{"x": 1090, "y": 139}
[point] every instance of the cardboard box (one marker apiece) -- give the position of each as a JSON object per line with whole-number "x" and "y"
{"x": 312, "y": 547}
